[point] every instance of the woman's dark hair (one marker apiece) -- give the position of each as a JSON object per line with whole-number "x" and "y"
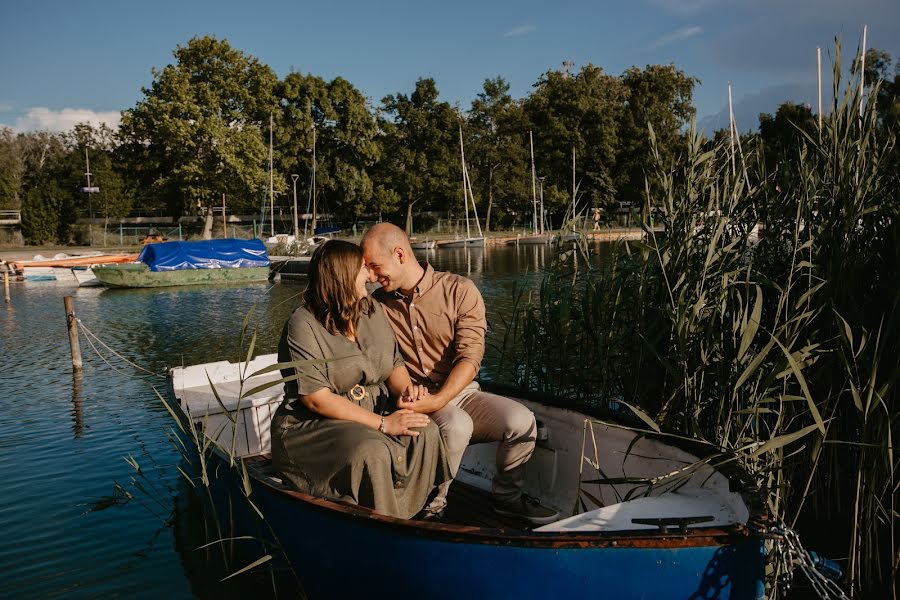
{"x": 331, "y": 293}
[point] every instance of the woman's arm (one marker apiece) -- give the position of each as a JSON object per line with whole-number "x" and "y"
{"x": 328, "y": 404}
{"x": 400, "y": 386}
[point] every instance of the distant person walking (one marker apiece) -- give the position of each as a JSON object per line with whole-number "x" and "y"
{"x": 596, "y": 218}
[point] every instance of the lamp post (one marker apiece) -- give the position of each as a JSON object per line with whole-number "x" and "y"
{"x": 294, "y": 178}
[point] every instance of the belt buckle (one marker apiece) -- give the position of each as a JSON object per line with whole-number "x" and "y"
{"x": 357, "y": 392}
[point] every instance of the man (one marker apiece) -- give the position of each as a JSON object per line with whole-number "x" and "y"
{"x": 439, "y": 321}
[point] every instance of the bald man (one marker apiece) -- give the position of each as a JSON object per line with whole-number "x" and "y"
{"x": 439, "y": 320}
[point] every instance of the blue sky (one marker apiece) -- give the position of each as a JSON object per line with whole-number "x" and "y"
{"x": 64, "y": 62}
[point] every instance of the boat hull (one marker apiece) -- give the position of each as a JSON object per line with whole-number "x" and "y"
{"x": 450, "y": 562}
{"x": 139, "y": 276}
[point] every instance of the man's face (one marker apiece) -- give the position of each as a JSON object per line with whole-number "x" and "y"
{"x": 384, "y": 267}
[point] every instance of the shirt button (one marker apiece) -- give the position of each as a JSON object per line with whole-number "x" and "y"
{"x": 398, "y": 484}
{"x": 415, "y": 328}
{"x": 412, "y": 304}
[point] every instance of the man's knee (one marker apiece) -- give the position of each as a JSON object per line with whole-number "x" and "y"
{"x": 456, "y": 427}
{"x": 520, "y": 424}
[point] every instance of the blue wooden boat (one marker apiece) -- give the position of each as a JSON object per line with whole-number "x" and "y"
{"x": 641, "y": 516}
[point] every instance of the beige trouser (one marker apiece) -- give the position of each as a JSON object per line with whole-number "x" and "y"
{"x": 475, "y": 417}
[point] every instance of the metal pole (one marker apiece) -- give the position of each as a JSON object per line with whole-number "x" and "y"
{"x": 224, "y": 221}
{"x": 294, "y": 177}
{"x": 121, "y": 235}
{"x": 271, "y": 180}
{"x": 314, "y": 181}
{"x": 6, "y": 285}
{"x": 73, "y": 333}
{"x": 87, "y": 169}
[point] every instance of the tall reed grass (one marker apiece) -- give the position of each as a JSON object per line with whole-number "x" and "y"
{"x": 751, "y": 342}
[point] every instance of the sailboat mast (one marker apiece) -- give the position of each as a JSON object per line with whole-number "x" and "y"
{"x": 573, "y": 189}
{"x": 462, "y": 158}
{"x": 472, "y": 198}
{"x": 534, "y": 217}
{"x": 314, "y": 182}
{"x": 271, "y": 181}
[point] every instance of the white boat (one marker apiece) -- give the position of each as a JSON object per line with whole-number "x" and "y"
{"x": 85, "y": 277}
{"x": 423, "y": 244}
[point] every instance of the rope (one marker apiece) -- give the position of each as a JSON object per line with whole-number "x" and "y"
{"x": 88, "y": 334}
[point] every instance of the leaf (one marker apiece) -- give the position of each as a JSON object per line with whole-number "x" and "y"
{"x": 782, "y": 440}
{"x": 802, "y": 381}
{"x": 754, "y": 364}
{"x": 643, "y": 416}
{"x": 252, "y": 565}
{"x": 752, "y": 325}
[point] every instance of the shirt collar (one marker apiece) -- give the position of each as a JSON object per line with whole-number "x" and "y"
{"x": 425, "y": 284}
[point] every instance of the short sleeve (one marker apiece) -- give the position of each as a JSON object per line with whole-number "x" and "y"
{"x": 299, "y": 343}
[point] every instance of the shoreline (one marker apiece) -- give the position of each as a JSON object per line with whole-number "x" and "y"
{"x": 11, "y": 253}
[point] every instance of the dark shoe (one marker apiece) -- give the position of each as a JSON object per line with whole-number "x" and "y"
{"x": 430, "y": 517}
{"x": 527, "y": 508}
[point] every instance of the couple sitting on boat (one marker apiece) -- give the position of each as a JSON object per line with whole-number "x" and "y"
{"x": 383, "y": 402}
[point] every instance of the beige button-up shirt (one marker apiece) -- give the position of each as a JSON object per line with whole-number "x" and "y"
{"x": 441, "y": 324}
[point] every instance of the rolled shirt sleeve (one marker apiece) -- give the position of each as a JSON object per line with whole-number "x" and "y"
{"x": 471, "y": 325}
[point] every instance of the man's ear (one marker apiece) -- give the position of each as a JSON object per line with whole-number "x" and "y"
{"x": 400, "y": 253}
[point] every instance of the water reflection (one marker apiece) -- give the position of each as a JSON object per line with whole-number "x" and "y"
{"x": 66, "y": 435}
{"x": 77, "y": 417}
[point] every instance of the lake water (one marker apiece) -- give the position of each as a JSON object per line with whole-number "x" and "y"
{"x": 65, "y": 439}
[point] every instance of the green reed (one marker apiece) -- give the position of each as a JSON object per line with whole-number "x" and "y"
{"x": 751, "y": 344}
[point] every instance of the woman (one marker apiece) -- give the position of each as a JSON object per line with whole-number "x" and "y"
{"x": 336, "y": 434}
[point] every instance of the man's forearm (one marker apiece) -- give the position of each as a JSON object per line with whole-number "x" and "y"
{"x": 460, "y": 376}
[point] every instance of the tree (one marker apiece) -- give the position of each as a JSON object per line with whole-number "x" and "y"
{"x": 781, "y": 136}
{"x": 659, "y": 95}
{"x": 419, "y": 136}
{"x": 198, "y": 131}
{"x": 580, "y": 112}
{"x": 346, "y": 139}
{"x": 500, "y": 161}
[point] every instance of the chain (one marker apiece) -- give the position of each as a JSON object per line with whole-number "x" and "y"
{"x": 789, "y": 555}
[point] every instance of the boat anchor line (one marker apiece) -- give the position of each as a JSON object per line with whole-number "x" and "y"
{"x": 790, "y": 555}
{"x": 90, "y": 336}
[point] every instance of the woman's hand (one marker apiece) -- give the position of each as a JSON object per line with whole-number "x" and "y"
{"x": 402, "y": 421}
{"x": 412, "y": 394}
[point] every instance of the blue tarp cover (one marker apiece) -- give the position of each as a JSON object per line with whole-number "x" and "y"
{"x": 212, "y": 254}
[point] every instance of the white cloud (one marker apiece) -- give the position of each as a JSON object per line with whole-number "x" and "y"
{"x": 520, "y": 30}
{"x": 40, "y": 118}
{"x": 676, "y": 36}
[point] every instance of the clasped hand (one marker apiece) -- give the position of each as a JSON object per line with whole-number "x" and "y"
{"x": 403, "y": 420}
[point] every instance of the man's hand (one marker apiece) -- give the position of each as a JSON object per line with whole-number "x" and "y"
{"x": 415, "y": 397}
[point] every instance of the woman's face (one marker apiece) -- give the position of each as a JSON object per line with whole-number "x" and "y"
{"x": 361, "y": 279}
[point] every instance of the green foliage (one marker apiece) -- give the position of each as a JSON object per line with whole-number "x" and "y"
{"x": 659, "y": 96}
{"x": 420, "y": 158}
{"x": 748, "y": 343}
{"x": 583, "y": 112}
{"x": 197, "y": 133}
{"x": 498, "y": 145}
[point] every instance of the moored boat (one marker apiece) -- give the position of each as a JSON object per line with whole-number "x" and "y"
{"x": 190, "y": 263}
{"x": 469, "y": 242}
{"x": 641, "y": 517}
{"x": 425, "y": 244}
{"x": 60, "y": 267}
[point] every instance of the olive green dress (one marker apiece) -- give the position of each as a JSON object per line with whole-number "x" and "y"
{"x": 345, "y": 460}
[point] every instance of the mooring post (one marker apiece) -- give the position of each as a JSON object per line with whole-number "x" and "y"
{"x": 6, "y": 286}
{"x": 73, "y": 333}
